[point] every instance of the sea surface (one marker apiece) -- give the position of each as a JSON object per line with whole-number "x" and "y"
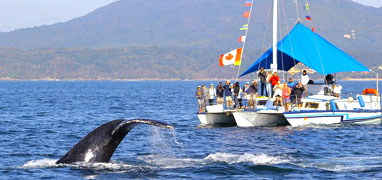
{"x": 41, "y": 121}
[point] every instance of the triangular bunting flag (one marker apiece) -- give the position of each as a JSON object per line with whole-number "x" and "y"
{"x": 248, "y": 3}
{"x": 246, "y": 14}
{"x": 241, "y": 39}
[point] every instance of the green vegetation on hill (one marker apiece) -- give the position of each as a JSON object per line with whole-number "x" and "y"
{"x": 131, "y": 63}
{"x": 177, "y": 39}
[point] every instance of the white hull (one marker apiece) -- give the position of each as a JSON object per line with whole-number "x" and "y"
{"x": 325, "y": 118}
{"x": 216, "y": 118}
{"x": 252, "y": 119}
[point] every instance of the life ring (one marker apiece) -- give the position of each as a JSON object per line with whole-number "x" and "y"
{"x": 370, "y": 91}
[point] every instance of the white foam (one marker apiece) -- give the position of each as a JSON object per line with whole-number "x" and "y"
{"x": 163, "y": 162}
{"x": 246, "y": 157}
{"x": 343, "y": 164}
{"x": 40, "y": 163}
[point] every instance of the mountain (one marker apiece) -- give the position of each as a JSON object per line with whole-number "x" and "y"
{"x": 177, "y": 39}
{"x": 199, "y": 23}
{"x": 130, "y": 63}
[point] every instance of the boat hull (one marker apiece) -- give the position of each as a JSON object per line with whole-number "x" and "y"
{"x": 214, "y": 118}
{"x": 252, "y": 119}
{"x": 326, "y": 118}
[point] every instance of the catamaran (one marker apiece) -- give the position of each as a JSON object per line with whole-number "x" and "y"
{"x": 304, "y": 45}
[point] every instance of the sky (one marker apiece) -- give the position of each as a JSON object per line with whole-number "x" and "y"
{"x": 16, "y": 14}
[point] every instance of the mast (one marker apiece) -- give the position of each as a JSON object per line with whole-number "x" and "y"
{"x": 274, "y": 66}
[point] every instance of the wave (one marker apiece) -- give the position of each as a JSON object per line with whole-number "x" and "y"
{"x": 156, "y": 162}
{"x": 260, "y": 159}
{"x": 344, "y": 164}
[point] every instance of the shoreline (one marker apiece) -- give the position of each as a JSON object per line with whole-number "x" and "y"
{"x": 146, "y": 79}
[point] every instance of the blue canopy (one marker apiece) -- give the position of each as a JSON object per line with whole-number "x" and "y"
{"x": 305, "y": 46}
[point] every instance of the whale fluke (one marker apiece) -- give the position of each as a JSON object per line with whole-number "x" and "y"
{"x": 100, "y": 144}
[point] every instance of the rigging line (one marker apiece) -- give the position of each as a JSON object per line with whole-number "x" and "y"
{"x": 315, "y": 38}
{"x": 297, "y": 12}
{"x": 291, "y": 46}
{"x": 280, "y": 29}
{"x": 265, "y": 34}
{"x": 242, "y": 48}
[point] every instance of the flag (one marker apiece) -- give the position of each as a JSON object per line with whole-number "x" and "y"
{"x": 308, "y": 18}
{"x": 232, "y": 57}
{"x": 246, "y": 14}
{"x": 313, "y": 29}
{"x": 248, "y": 3}
{"x": 306, "y": 6}
{"x": 245, "y": 27}
{"x": 241, "y": 39}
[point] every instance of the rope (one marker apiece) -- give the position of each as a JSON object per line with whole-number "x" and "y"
{"x": 242, "y": 49}
{"x": 265, "y": 33}
{"x": 290, "y": 41}
{"x": 315, "y": 38}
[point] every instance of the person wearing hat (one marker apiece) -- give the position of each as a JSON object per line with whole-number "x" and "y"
{"x": 228, "y": 94}
{"x": 246, "y": 92}
{"x": 205, "y": 95}
{"x": 200, "y": 97}
{"x": 211, "y": 94}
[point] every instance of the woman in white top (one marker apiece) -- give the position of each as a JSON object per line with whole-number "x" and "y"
{"x": 278, "y": 89}
{"x": 211, "y": 94}
{"x": 304, "y": 81}
{"x": 268, "y": 84}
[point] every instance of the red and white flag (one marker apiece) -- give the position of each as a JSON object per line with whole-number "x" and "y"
{"x": 232, "y": 57}
{"x": 241, "y": 39}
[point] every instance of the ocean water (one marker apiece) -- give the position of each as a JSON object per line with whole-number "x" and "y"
{"x": 41, "y": 121}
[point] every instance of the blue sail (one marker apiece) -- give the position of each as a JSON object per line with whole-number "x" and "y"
{"x": 305, "y": 46}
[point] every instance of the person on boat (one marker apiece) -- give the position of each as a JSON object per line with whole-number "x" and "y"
{"x": 291, "y": 84}
{"x": 246, "y": 92}
{"x": 278, "y": 89}
{"x": 228, "y": 94}
{"x": 220, "y": 93}
{"x": 278, "y": 101}
{"x": 263, "y": 76}
{"x": 200, "y": 97}
{"x": 274, "y": 79}
{"x": 337, "y": 90}
{"x": 211, "y": 94}
{"x": 286, "y": 96}
{"x": 269, "y": 84}
{"x": 205, "y": 95}
{"x": 232, "y": 96}
{"x": 236, "y": 94}
{"x": 298, "y": 91}
{"x": 240, "y": 97}
{"x": 253, "y": 94}
{"x": 305, "y": 80}
{"x": 329, "y": 79}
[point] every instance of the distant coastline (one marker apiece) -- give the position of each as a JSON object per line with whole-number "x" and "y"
{"x": 156, "y": 79}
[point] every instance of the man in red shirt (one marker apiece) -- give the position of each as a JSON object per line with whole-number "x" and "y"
{"x": 274, "y": 79}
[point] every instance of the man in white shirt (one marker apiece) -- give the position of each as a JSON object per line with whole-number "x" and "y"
{"x": 304, "y": 82}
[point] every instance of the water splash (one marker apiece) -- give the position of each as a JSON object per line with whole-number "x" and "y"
{"x": 246, "y": 157}
{"x": 40, "y": 163}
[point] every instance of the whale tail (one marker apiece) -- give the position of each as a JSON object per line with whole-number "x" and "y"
{"x": 100, "y": 144}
